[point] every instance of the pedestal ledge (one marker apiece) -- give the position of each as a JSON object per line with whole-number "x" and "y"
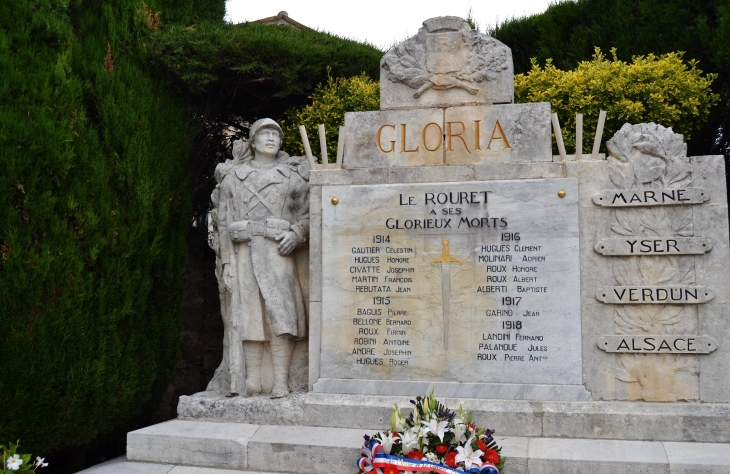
{"x": 679, "y": 422}
{"x": 311, "y": 450}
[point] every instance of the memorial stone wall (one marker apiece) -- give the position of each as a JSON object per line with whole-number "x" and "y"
{"x": 454, "y": 251}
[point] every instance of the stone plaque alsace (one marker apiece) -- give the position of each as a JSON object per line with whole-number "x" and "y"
{"x": 656, "y": 344}
{"x": 470, "y": 282}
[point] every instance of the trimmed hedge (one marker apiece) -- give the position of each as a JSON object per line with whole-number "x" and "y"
{"x": 94, "y": 206}
{"x": 235, "y": 74}
{"x": 568, "y": 31}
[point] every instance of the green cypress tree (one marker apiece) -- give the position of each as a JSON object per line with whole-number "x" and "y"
{"x": 94, "y": 207}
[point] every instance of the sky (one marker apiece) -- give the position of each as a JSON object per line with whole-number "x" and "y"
{"x": 382, "y": 23}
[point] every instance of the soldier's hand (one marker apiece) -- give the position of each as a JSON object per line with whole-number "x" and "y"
{"x": 228, "y": 277}
{"x": 288, "y": 243}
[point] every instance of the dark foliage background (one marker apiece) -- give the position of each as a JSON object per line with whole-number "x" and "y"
{"x": 94, "y": 207}
{"x": 568, "y": 31}
{"x": 112, "y": 117}
{"x": 235, "y": 74}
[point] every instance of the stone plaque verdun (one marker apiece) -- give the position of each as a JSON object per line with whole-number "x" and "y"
{"x": 454, "y": 251}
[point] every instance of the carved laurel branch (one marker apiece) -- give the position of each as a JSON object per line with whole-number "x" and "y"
{"x": 406, "y": 62}
{"x": 648, "y": 369}
{"x": 651, "y": 271}
{"x": 652, "y": 156}
{"x": 656, "y": 222}
{"x": 648, "y": 155}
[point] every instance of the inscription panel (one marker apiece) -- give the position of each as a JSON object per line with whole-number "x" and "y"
{"x": 651, "y": 197}
{"x": 658, "y": 344}
{"x": 654, "y": 246}
{"x": 459, "y": 282}
{"x": 654, "y": 294}
{"x": 453, "y": 136}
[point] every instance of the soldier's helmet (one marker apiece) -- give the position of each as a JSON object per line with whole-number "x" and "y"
{"x": 263, "y": 123}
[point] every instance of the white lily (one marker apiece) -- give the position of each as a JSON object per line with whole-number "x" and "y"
{"x": 397, "y": 422}
{"x": 388, "y": 441}
{"x": 459, "y": 430}
{"x": 439, "y": 428}
{"x": 14, "y": 462}
{"x": 468, "y": 456}
{"x": 409, "y": 440}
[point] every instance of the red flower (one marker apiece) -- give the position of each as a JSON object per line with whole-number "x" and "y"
{"x": 482, "y": 445}
{"x": 491, "y": 456}
{"x": 441, "y": 449}
{"x": 390, "y": 470}
{"x": 450, "y": 459}
{"x": 415, "y": 454}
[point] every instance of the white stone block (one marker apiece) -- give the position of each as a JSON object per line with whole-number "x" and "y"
{"x": 445, "y": 64}
{"x": 580, "y": 456}
{"x": 511, "y": 133}
{"x": 388, "y": 138}
{"x": 120, "y": 465}
{"x": 197, "y": 443}
{"x": 515, "y": 450}
{"x": 302, "y": 449}
{"x": 698, "y": 458}
{"x": 484, "y": 345}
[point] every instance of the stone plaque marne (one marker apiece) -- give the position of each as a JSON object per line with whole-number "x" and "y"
{"x": 474, "y": 282}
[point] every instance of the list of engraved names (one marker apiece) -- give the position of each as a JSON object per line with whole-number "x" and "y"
{"x": 470, "y": 282}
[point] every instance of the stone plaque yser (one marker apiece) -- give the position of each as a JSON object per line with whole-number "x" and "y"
{"x": 471, "y": 282}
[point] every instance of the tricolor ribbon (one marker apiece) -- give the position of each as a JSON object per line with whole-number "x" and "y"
{"x": 373, "y": 458}
{"x": 365, "y": 463}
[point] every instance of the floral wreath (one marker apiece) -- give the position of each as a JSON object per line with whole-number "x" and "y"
{"x": 432, "y": 439}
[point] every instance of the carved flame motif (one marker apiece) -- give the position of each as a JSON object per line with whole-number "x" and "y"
{"x": 446, "y": 59}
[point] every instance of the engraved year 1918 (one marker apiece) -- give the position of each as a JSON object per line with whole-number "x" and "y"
{"x": 511, "y": 324}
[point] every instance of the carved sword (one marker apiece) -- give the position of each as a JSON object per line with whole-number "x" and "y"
{"x": 446, "y": 260}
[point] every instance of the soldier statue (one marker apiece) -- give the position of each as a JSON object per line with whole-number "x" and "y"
{"x": 259, "y": 223}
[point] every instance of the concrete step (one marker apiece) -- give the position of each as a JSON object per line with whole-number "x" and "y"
{"x": 121, "y": 465}
{"x": 681, "y": 422}
{"x": 310, "y": 449}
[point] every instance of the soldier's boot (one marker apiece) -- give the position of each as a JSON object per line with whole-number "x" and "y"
{"x": 253, "y": 353}
{"x": 282, "y": 349}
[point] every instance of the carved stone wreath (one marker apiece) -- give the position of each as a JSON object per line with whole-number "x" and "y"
{"x": 648, "y": 155}
{"x": 446, "y": 54}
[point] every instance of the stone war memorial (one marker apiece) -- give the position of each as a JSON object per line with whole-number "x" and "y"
{"x": 579, "y": 307}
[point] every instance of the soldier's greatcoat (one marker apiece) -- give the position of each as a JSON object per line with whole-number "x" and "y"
{"x": 267, "y": 285}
